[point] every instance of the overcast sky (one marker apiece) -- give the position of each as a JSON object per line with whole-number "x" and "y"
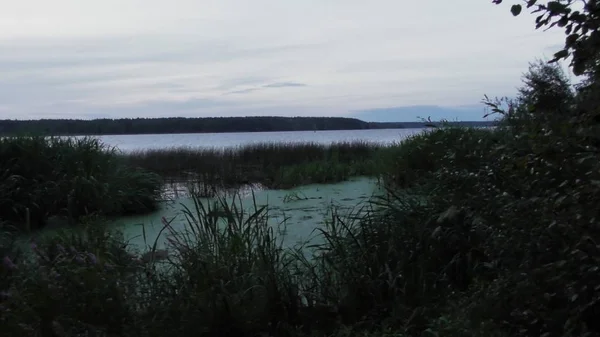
{"x": 150, "y": 58}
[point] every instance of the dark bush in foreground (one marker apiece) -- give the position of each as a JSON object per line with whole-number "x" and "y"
{"x": 63, "y": 285}
{"x": 527, "y": 193}
{"x": 424, "y": 154}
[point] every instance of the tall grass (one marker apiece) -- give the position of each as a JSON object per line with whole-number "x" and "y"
{"x": 273, "y": 165}
{"x": 69, "y": 177}
{"x": 227, "y": 273}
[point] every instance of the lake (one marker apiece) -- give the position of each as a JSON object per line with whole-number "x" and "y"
{"x": 294, "y": 218}
{"x": 128, "y": 143}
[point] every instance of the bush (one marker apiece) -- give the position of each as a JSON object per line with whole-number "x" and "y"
{"x": 68, "y": 284}
{"x": 529, "y": 189}
{"x": 416, "y": 158}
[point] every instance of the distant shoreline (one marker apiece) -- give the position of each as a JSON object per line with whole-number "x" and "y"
{"x": 177, "y": 125}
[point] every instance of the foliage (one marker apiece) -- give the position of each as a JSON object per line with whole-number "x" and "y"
{"x": 546, "y": 88}
{"x": 69, "y": 177}
{"x": 69, "y": 284}
{"x": 428, "y": 152}
{"x": 526, "y": 196}
{"x": 579, "y": 19}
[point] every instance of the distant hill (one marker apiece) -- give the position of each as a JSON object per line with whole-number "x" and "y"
{"x": 191, "y": 125}
{"x": 413, "y": 113}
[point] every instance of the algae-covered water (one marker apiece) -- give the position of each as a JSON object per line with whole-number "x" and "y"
{"x": 296, "y": 213}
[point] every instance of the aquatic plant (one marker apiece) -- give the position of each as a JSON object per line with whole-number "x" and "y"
{"x": 274, "y": 165}
{"x": 228, "y": 273}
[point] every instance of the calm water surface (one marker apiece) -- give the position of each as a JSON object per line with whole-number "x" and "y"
{"x": 127, "y": 143}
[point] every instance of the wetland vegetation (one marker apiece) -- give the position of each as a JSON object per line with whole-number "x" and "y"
{"x": 480, "y": 232}
{"x": 271, "y": 165}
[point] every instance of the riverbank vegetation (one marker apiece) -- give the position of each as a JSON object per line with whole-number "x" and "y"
{"x": 482, "y": 233}
{"x": 273, "y": 165}
{"x": 67, "y": 179}
{"x": 70, "y": 179}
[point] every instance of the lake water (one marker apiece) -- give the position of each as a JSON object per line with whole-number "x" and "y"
{"x": 128, "y": 143}
{"x": 294, "y": 218}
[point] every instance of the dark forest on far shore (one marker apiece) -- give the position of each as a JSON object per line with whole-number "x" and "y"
{"x": 196, "y": 125}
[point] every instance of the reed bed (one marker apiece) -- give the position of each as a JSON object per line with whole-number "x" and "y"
{"x": 42, "y": 177}
{"x": 274, "y": 165}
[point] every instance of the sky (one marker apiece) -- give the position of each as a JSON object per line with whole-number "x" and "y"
{"x": 197, "y": 58}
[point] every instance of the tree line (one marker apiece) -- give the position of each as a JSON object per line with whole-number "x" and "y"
{"x": 125, "y": 126}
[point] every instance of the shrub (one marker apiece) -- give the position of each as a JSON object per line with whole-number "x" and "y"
{"x": 421, "y": 155}
{"x": 70, "y": 283}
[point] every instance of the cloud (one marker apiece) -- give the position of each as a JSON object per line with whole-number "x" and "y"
{"x": 231, "y": 57}
{"x": 284, "y": 84}
{"x": 268, "y": 86}
{"x": 554, "y": 48}
{"x": 244, "y": 91}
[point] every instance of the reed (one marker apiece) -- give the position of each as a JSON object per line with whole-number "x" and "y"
{"x": 68, "y": 177}
{"x": 272, "y": 165}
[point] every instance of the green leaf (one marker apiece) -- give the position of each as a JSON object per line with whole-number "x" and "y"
{"x": 516, "y": 9}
